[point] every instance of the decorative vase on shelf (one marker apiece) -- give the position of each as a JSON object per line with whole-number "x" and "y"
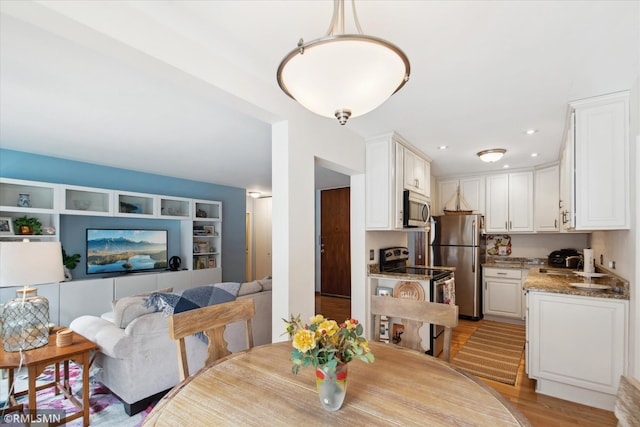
{"x": 332, "y": 386}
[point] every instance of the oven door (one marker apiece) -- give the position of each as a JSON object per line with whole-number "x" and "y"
{"x": 416, "y": 211}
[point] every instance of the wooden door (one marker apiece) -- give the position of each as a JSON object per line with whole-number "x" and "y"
{"x": 335, "y": 249}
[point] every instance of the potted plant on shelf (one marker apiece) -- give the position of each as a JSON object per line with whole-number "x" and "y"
{"x": 70, "y": 262}
{"x": 27, "y": 225}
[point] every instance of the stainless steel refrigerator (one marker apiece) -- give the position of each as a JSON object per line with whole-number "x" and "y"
{"x": 456, "y": 241}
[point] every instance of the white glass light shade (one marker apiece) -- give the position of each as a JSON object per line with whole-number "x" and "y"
{"x": 491, "y": 156}
{"x": 30, "y": 263}
{"x": 343, "y": 73}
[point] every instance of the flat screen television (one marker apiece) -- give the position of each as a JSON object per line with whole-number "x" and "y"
{"x": 125, "y": 250}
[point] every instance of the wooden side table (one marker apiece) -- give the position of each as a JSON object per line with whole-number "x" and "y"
{"x": 38, "y": 359}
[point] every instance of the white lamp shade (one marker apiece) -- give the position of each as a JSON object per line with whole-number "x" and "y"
{"x": 347, "y": 72}
{"x": 30, "y": 263}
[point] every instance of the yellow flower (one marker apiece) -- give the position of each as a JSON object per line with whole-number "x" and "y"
{"x": 328, "y": 328}
{"x": 365, "y": 345}
{"x": 304, "y": 340}
{"x": 317, "y": 318}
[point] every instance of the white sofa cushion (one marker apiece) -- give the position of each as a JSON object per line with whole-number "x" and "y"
{"x": 126, "y": 309}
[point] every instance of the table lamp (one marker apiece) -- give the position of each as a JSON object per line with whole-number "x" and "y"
{"x": 26, "y": 318}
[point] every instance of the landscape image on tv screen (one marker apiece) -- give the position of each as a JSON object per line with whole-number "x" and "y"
{"x": 122, "y": 251}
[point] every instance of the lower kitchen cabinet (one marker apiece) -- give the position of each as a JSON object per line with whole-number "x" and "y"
{"x": 577, "y": 347}
{"x": 503, "y": 292}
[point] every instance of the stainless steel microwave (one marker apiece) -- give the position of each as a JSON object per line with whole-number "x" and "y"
{"x": 416, "y": 210}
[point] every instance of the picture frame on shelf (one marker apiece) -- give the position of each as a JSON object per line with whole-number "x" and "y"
{"x": 196, "y": 248}
{"x": 6, "y": 226}
{"x": 212, "y": 263}
{"x": 209, "y": 230}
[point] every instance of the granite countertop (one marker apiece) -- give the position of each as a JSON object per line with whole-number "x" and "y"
{"x": 513, "y": 262}
{"x": 561, "y": 283}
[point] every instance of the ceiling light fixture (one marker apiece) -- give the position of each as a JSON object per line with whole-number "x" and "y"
{"x": 531, "y": 131}
{"x": 492, "y": 155}
{"x": 442, "y": 147}
{"x": 254, "y": 194}
{"x": 343, "y": 75}
{"x": 534, "y": 154}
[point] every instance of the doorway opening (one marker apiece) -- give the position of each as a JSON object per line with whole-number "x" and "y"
{"x": 333, "y": 248}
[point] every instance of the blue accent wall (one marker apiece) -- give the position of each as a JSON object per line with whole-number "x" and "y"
{"x": 34, "y": 167}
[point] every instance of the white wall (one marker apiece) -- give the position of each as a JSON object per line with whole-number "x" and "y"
{"x": 541, "y": 245}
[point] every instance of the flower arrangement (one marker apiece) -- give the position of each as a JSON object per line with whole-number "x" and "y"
{"x": 324, "y": 342}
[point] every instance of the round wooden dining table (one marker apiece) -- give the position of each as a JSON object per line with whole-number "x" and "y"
{"x": 402, "y": 387}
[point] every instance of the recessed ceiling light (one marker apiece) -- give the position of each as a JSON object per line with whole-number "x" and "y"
{"x": 254, "y": 194}
{"x": 531, "y": 131}
{"x": 506, "y": 166}
{"x": 442, "y": 147}
{"x": 534, "y": 154}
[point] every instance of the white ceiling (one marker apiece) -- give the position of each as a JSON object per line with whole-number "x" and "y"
{"x": 482, "y": 72}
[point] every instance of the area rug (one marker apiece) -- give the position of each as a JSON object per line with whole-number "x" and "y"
{"x": 106, "y": 410}
{"x": 493, "y": 351}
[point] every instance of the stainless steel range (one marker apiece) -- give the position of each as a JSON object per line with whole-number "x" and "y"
{"x": 441, "y": 286}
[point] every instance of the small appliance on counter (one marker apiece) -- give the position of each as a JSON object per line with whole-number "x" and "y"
{"x": 565, "y": 258}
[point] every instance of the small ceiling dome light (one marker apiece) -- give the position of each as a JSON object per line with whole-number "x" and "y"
{"x": 492, "y": 155}
{"x": 343, "y": 75}
{"x": 531, "y": 131}
{"x": 442, "y": 147}
{"x": 254, "y": 194}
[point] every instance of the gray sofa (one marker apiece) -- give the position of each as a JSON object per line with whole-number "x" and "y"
{"x": 137, "y": 360}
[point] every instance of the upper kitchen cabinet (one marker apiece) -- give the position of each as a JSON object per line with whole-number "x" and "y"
{"x": 470, "y": 196}
{"x": 416, "y": 172}
{"x": 601, "y": 161}
{"x": 509, "y": 203}
{"x": 546, "y": 199}
{"x": 384, "y": 182}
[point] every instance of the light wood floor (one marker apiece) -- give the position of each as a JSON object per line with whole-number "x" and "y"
{"x": 541, "y": 410}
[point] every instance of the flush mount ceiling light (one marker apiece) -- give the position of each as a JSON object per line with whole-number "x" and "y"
{"x": 343, "y": 75}
{"x": 254, "y": 194}
{"x": 492, "y": 155}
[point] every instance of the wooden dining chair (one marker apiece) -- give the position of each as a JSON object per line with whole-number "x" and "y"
{"x": 413, "y": 314}
{"x": 627, "y": 408}
{"x": 211, "y": 321}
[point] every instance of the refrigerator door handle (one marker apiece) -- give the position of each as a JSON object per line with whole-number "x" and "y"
{"x": 473, "y": 260}
{"x": 475, "y": 233}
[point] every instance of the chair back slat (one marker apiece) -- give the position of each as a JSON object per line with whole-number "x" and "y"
{"x": 627, "y": 408}
{"x": 212, "y": 321}
{"x": 414, "y": 314}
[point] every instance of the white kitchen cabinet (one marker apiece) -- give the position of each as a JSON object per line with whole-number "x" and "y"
{"x": 471, "y": 194}
{"x": 509, "y": 202}
{"x": 577, "y": 346}
{"x": 567, "y": 183}
{"x": 503, "y": 295}
{"x": 546, "y": 199}
{"x": 417, "y": 173}
{"x": 384, "y": 182}
{"x": 601, "y": 157}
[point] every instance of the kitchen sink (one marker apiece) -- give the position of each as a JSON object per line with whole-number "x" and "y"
{"x": 557, "y": 272}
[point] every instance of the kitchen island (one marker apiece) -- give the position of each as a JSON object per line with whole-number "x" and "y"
{"x": 577, "y": 339}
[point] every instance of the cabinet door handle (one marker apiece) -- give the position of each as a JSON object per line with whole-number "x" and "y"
{"x": 555, "y": 223}
{"x": 510, "y": 225}
{"x": 501, "y": 274}
{"x": 506, "y": 225}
